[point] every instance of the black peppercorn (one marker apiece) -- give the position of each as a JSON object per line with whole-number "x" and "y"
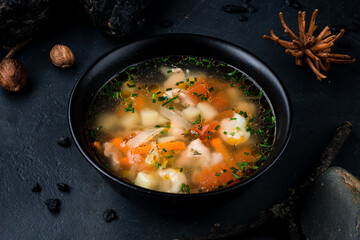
{"x": 63, "y": 187}
{"x": 36, "y": 188}
{"x": 64, "y": 141}
{"x": 109, "y": 215}
{"x": 53, "y": 204}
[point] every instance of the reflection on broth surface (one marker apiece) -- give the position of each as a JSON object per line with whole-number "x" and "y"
{"x": 181, "y": 124}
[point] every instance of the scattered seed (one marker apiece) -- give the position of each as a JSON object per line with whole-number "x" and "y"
{"x": 63, "y": 187}
{"x": 64, "y": 141}
{"x": 36, "y": 188}
{"x": 109, "y": 215}
{"x": 53, "y": 204}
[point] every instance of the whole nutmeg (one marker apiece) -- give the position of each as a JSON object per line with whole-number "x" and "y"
{"x": 13, "y": 75}
{"x": 62, "y": 56}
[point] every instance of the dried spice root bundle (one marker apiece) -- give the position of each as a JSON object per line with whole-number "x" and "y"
{"x": 306, "y": 48}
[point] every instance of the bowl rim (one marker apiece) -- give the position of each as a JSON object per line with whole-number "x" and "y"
{"x": 136, "y": 188}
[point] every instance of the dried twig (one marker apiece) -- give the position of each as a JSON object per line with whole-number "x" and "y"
{"x": 14, "y": 50}
{"x": 285, "y": 211}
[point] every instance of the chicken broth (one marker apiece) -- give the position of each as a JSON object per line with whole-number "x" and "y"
{"x": 181, "y": 124}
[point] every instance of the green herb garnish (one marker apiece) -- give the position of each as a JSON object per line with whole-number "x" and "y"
{"x": 169, "y": 100}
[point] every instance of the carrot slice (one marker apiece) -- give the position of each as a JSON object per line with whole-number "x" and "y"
{"x": 124, "y": 162}
{"x": 120, "y": 144}
{"x": 219, "y": 147}
{"x": 215, "y": 176}
{"x": 97, "y": 145}
{"x": 168, "y": 146}
{"x": 140, "y": 101}
{"x": 139, "y": 166}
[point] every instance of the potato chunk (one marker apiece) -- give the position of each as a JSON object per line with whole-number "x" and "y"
{"x": 207, "y": 111}
{"x": 191, "y": 113}
{"x": 149, "y": 117}
{"x": 145, "y": 180}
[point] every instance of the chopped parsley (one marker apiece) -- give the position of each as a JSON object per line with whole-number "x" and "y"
{"x": 265, "y": 145}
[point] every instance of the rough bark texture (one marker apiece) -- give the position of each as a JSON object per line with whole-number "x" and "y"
{"x": 116, "y": 17}
{"x": 20, "y": 19}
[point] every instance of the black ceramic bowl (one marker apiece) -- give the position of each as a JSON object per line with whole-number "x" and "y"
{"x": 176, "y": 44}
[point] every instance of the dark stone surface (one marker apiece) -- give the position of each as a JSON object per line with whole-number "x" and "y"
{"x": 332, "y": 208}
{"x": 32, "y": 121}
{"x": 19, "y": 19}
{"x": 116, "y": 17}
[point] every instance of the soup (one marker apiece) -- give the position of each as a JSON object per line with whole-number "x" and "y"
{"x": 181, "y": 124}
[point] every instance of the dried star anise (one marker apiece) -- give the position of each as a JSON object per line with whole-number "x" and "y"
{"x": 314, "y": 51}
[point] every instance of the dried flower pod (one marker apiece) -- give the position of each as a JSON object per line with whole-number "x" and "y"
{"x": 13, "y": 75}
{"x": 62, "y": 56}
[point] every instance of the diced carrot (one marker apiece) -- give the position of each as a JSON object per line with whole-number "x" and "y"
{"x": 139, "y": 166}
{"x": 97, "y": 145}
{"x": 219, "y": 147}
{"x": 124, "y": 162}
{"x": 205, "y": 130}
{"x": 215, "y": 176}
{"x": 120, "y": 144}
{"x": 139, "y": 102}
{"x": 168, "y": 146}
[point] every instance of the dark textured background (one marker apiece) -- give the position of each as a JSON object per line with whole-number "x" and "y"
{"x": 32, "y": 121}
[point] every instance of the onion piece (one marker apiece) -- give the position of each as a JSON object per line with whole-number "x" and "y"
{"x": 144, "y": 137}
{"x": 176, "y": 119}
